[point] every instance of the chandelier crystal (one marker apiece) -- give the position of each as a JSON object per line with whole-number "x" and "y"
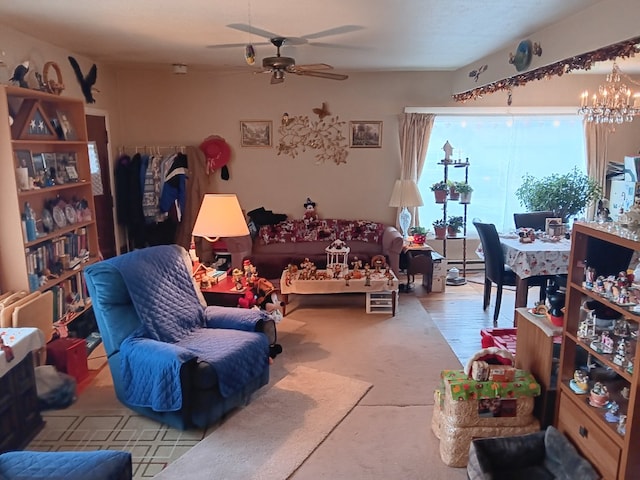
{"x": 614, "y": 102}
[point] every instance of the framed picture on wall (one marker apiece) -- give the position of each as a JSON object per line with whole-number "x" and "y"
{"x": 365, "y": 134}
{"x": 256, "y": 133}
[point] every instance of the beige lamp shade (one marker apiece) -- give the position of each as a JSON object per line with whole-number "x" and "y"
{"x": 405, "y": 194}
{"x": 220, "y": 216}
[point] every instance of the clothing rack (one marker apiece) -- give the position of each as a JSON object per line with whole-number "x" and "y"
{"x": 151, "y": 149}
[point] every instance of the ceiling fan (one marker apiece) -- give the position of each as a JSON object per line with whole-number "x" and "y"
{"x": 278, "y": 66}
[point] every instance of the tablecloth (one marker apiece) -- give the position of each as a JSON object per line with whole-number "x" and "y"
{"x": 23, "y": 341}
{"x": 536, "y": 258}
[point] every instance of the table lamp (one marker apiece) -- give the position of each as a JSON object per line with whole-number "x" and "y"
{"x": 405, "y": 194}
{"x": 219, "y": 216}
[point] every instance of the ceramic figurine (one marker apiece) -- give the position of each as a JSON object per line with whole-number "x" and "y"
{"x": 599, "y": 395}
{"x": 621, "y": 353}
{"x": 599, "y": 287}
{"x": 612, "y": 414}
{"x": 623, "y": 297}
{"x": 622, "y": 425}
{"x": 580, "y": 382}
{"x": 625, "y": 393}
{"x": 590, "y": 276}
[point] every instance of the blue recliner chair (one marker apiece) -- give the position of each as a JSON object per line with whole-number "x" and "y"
{"x": 171, "y": 357}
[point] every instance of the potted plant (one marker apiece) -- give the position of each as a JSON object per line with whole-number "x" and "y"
{"x": 440, "y": 229}
{"x": 564, "y": 194}
{"x": 440, "y": 190}
{"x": 419, "y": 235}
{"x": 454, "y": 224}
{"x": 454, "y": 193}
{"x": 465, "y": 192}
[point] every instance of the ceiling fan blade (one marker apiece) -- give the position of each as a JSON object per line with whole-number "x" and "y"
{"x": 267, "y": 34}
{"x": 334, "y": 31}
{"x": 321, "y": 74}
{"x": 237, "y": 45}
{"x": 314, "y": 66}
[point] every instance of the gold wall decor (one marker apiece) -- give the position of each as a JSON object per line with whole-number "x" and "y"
{"x": 297, "y": 133}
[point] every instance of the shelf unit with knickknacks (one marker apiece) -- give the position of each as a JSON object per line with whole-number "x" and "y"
{"x": 448, "y": 208}
{"x": 49, "y": 231}
{"x": 597, "y": 431}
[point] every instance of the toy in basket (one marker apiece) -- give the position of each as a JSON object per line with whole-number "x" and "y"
{"x": 491, "y": 364}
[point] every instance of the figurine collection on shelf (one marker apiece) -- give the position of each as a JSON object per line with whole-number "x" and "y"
{"x": 605, "y": 331}
{"x": 339, "y": 270}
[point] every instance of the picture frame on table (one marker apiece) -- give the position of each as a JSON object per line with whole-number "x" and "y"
{"x": 66, "y": 128}
{"x": 256, "y": 133}
{"x": 551, "y": 224}
{"x": 365, "y": 134}
{"x": 24, "y": 160}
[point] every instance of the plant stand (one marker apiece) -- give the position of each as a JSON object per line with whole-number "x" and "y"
{"x": 457, "y": 165}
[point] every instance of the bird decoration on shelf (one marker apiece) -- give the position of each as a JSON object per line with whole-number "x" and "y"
{"x": 475, "y": 74}
{"x": 322, "y": 111}
{"x": 86, "y": 82}
{"x": 20, "y": 73}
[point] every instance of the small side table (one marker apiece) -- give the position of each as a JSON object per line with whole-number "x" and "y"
{"x": 418, "y": 259}
{"x": 223, "y": 293}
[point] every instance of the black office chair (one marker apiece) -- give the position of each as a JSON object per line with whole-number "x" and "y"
{"x": 496, "y": 271}
{"x": 535, "y": 220}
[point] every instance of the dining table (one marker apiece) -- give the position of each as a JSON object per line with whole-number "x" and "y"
{"x": 542, "y": 257}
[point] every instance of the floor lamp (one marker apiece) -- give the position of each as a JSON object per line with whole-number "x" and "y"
{"x": 405, "y": 194}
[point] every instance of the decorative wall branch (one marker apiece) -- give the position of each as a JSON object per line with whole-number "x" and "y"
{"x": 585, "y": 61}
{"x": 299, "y": 133}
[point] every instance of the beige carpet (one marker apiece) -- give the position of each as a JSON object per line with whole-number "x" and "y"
{"x": 385, "y": 435}
{"x": 275, "y": 433}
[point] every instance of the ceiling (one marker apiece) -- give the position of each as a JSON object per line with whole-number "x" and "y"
{"x": 351, "y": 35}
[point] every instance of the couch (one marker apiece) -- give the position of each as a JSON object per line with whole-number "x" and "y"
{"x": 542, "y": 455}
{"x": 171, "y": 357}
{"x": 273, "y": 247}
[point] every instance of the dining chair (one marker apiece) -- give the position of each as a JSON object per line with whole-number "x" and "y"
{"x": 535, "y": 220}
{"x": 495, "y": 269}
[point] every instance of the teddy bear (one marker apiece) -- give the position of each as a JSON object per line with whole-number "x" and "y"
{"x": 267, "y": 299}
{"x": 310, "y": 214}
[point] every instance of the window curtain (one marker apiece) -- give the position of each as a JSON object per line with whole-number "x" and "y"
{"x": 415, "y": 131}
{"x": 596, "y": 138}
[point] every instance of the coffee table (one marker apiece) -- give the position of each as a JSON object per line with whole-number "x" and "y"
{"x": 378, "y": 283}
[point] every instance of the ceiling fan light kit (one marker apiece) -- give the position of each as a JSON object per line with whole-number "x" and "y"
{"x": 278, "y": 66}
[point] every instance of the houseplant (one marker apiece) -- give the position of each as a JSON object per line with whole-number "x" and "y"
{"x": 465, "y": 192}
{"x": 440, "y": 190}
{"x": 454, "y": 224}
{"x": 454, "y": 193}
{"x": 419, "y": 234}
{"x": 440, "y": 229}
{"x": 564, "y": 194}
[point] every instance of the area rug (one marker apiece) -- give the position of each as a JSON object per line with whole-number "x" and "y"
{"x": 271, "y": 437}
{"x": 151, "y": 444}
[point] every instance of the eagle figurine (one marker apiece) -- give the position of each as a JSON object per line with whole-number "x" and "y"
{"x": 86, "y": 82}
{"x": 20, "y": 73}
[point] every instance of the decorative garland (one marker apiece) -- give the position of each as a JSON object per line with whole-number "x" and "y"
{"x": 585, "y": 61}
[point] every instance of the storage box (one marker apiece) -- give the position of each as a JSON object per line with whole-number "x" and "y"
{"x": 504, "y": 338}
{"x": 69, "y": 355}
{"x": 438, "y": 284}
{"x": 380, "y": 302}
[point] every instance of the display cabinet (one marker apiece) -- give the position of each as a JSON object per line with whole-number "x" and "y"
{"x": 48, "y": 229}
{"x": 599, "y": 351}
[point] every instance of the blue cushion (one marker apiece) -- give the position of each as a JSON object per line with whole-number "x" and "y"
{"x": 94, "y": 465}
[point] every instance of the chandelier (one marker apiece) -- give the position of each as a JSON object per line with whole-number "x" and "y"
{"x": 612, "y": 103}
